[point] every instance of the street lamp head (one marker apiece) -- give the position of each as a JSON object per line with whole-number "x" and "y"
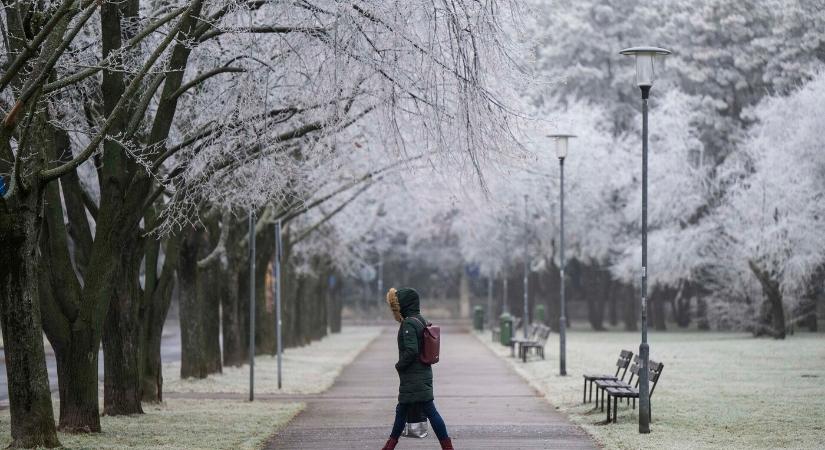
{"x": 645, "y": 57}
{"x": 561, "y": 143}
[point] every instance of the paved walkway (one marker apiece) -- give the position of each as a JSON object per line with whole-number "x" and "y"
{"x": 484, "y": 403}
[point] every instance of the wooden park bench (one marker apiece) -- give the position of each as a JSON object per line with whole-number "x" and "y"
{"x": 602, "y": 385}
{"x": 621, "y": 366}
{"x": 532, "y": 334}
{"x": 627, "y": 392}
{"x": 537, "y": 344}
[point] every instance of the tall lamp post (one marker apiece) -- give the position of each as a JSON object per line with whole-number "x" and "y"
{"x": 251, "y": 305}
{"x": 645, "y": 57}
{"x": 505, "y": 299}
{"x": 526, "y": 268}
{"x": 380, "y": 277}
{"x": 561, "y": 153}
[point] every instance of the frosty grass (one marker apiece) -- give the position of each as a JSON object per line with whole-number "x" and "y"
{"x": 306, "y": 370}
{"x": 182, "y": 424}
{"x": 717, "y": 390}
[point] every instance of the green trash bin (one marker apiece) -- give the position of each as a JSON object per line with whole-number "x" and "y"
{"x": 506, "y": 327}
{"x": 539, "y": 314}
{"x": 478, "y": 318}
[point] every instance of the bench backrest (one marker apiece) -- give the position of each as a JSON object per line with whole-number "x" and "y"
{"x": 623, "y": 362}
{"x": 543, "y": 334}
{"x": 654, "y": 372}
{"x": 655, "y": 369}
{"x": 634, "y": 370}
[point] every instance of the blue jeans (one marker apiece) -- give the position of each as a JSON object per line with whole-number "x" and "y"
{"x": 436, "y": 421}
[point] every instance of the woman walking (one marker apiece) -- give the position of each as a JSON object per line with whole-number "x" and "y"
{"x": 416, "y": 386}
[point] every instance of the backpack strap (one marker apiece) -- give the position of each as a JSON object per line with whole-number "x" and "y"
{"x": 421, "y": 321}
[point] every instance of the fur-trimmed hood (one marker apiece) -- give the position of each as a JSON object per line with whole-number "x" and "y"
{"x": 403, "y": 302}
{"x": 392, "y": 300}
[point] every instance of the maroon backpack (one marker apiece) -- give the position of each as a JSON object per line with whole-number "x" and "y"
{"x": 431, "y": 343}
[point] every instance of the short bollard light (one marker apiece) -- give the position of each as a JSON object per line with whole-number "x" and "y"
{"x": 506, "y": 327}
{"x": 478, "y": 318}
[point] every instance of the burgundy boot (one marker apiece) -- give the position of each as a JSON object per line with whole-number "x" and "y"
{"x": 391, "y": 442}
{"x": 446, "y": 444}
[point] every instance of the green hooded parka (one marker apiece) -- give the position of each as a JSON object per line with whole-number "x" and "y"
{"x": 416, "y": 377}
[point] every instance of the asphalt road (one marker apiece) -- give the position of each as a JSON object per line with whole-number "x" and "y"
{"x": 169, "y": 351}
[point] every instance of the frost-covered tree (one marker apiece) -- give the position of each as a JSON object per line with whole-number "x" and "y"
{"x": 177, "y": 106}
{"x": 766, "y": 235}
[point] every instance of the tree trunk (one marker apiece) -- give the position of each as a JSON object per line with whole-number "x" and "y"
{"x": 595, "y": 294}
{"x": 611, "y": 296}
{"x": 122, "y": 349}
{"x": 264, "y": 300}
{"x": 30, "y": 402}
{"x": 77, "y": 380}
{"x": 657, "y": 307}
{"x": 158, "y": 294}
{"x": 215, "y": 289}
{"x": 192, "y": 308}
{"x": 151, "y": 385}
{"x": 319, "y": 324}
{"x": 810, "y": 319}
{"x": 680, "y": 305}
{"x": 74, "y": 317}
{"x": 702, "y": 314}
{"x": 335, "y": 302}
{"x": 772, "y": 317}
{"x": 235, "y": 353}
{"x": 630, "y": 301}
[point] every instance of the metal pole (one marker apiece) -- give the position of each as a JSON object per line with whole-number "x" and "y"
{"x": 251, "y": 306}
{"x": 380, "y": 279}
{"x": 644, "y": 350}
{"x": 526, "y": 272}
{"x": 505, "y": 308}
{"x": 277, "y": 267}
{"x": 490, "y": 300}
{"x": 563, "y": 315}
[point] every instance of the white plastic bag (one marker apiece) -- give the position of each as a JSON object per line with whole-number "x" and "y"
{"x": 416, "y": 430}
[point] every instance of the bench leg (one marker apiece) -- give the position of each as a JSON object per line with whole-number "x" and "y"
{"x": 615, "y": 408}
{"x": 608, "y": 413}
{"x": 603, "y": 394}
{"x": 634, "y": 402}
{"x": 591, "y": 390}
{"x": 524, "y": 354}
{"x": 608, "y": 405}
{"x": 584, "y": 396}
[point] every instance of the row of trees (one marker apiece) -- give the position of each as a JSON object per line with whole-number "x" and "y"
{"x": 735, "y": 170}
{"x": 137, "y": 135}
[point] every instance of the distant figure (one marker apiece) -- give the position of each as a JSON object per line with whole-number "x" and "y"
{"x": 416, "y": 385}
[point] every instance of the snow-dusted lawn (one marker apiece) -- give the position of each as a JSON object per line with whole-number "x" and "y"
{"x": 306, "y": 370}
{"x": 183, "y": 424}
{"x": 717, "y": 390}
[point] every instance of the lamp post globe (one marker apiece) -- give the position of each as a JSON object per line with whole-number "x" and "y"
{"x": 561, "y": 153}
{"x": 645, "y": 74}
{"x": 645, "y": 62}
